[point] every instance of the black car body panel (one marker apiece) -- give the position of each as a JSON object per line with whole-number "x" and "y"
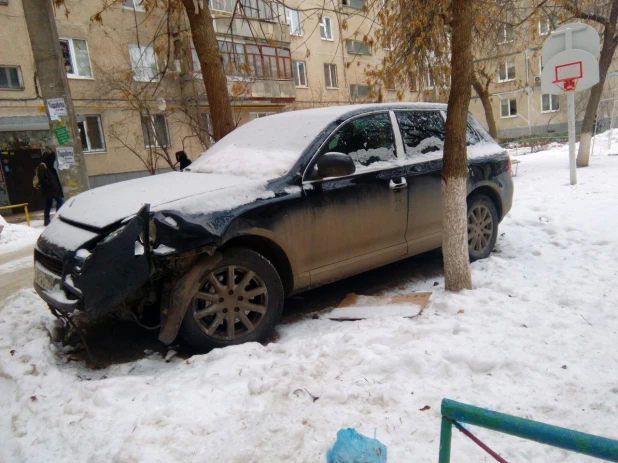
{"x": 313, "y": 230}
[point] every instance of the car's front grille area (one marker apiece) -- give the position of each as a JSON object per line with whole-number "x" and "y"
{"x": 50, "y": 263}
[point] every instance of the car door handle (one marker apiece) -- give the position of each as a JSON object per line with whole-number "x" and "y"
{"x": 398, "y": 186}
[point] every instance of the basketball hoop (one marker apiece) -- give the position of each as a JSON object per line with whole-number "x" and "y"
{"x": 566, "y": 75}
{"x": 570, "y": 65}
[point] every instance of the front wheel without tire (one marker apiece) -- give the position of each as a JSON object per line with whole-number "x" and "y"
{"x": 482, "y": 227}
{"x": 239, "y": 301}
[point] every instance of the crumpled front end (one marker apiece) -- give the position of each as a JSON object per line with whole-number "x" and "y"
{"x": 95, "y": 272}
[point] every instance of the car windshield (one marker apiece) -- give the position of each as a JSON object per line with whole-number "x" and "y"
{"x": 264, "y": 148}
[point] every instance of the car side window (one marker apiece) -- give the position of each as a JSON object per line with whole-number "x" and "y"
{"x": 422, "y": 132}
{"x": 368, "y": 140}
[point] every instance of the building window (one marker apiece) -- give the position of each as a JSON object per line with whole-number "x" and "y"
{"x": 359, "y": 91}
{"x": 355, "y": 47}
{"x": 258, "y": 115}
{"x": 91, "y": 134}
{"x": 508, "y": 108}
{"x": 197, "y": 67}
{"x": 429, "y": 82}
{"x": 326, "y": 28}
{"x": 300, "y": 73}
{"x": 546, "y": 24}
{"x": 137, "y": 5}
{"x": 233, "y": 55}
{"x": 507, "y": 71}
{"x": 550, "y": 103}
{"x": 330, "y": 75}
{"x": 206, "y": 127}
{"x": 256, "y": 60}
{"x": 389, "y": 82}
{"x": 154, "y": 129}
{"x": 143, "y": 63}
{"x": 293, "y": 19}
{"x": 506, "y": 33}
{"x": 10, "y": 77}
{"x": 76, "y": 57}
{"x": 358, "y": 4}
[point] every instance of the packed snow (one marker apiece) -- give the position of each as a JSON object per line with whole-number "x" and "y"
{"x": 535, "y": 338}
{"x": 16, "y": 264}
{"x": 18, "y": 235}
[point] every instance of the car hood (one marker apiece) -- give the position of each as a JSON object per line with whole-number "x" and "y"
{"x": 104, "y": 206}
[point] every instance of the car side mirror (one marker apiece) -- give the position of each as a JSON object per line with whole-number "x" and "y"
{"x": 334, "y": 165}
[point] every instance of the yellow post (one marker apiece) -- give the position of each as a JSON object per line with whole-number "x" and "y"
{"x": 26, "y": 212}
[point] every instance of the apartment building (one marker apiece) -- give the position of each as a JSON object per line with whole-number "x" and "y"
{"x": 137, "y": 89}
{"x": 139, "y": 95}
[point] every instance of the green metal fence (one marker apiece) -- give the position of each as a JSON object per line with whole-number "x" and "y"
{"x": 454, "y": 413}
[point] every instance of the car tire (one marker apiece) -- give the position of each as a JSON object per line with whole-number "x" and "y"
{"x": 222, "y": 313}
{"x": 482, "y": 226}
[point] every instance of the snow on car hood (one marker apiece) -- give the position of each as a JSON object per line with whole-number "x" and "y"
{"x": 109, "y": 204}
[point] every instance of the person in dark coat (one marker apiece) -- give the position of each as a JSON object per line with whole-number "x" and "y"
{"x": 183, "y": 159}
{"x": 50, "y": 185}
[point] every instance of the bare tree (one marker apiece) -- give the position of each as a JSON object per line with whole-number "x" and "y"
{"x": 455, "y": 170}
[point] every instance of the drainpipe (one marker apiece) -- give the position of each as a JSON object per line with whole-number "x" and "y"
{"x": 529, "y": 90}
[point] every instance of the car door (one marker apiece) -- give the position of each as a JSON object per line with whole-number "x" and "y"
{"x": 358, "y": 221}
{"x": 423, "y": 133}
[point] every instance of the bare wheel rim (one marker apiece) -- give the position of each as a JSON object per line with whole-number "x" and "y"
{"x": 231, "y": 303}
{"x": 480, "y": 228}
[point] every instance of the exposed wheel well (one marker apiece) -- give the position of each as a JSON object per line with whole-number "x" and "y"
{"x": 272, "y": 252}
{"x": 491, "y": 194}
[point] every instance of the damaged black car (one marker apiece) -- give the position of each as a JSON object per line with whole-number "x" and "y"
{"x": 283, "y": 204}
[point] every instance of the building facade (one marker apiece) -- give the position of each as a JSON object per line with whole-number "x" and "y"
{"x": 139, "y": 96}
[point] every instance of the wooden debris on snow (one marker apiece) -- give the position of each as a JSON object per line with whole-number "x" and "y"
{"x": 354, "y": 307}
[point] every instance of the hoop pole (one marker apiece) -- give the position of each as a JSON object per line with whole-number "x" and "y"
{"x": 571, "y": 109}
{"x": 611, "y": 128}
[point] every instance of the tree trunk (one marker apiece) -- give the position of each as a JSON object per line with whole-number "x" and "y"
{"x": 455, "y": 171}
{"x": 213, "y": 73}
{"x": 607, "y": 55}
{"x": 483, "y": 94}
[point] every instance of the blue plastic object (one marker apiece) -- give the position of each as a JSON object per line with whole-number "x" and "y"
{"x": 352, "y": 447}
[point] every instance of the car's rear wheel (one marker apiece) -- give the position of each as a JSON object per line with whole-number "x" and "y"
{"x": 482, "y": 227}
{"x": 239, "y": 301}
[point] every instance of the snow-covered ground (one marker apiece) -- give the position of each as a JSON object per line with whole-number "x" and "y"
{"x": 16, "y": 236}
{"x": 536, "y": 338}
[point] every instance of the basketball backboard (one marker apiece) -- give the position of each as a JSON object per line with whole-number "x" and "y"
{"x": 583, "y": 36}
{"x": 569, "y": 70}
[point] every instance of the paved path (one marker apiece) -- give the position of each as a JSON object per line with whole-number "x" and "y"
{"x": 20, "y": 277}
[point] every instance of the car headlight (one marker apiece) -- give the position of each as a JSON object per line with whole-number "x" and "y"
{"x": 114, "y": 234}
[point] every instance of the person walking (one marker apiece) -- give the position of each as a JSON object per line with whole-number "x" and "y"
{"x": 183, "y": 159}
{"x": 50, "y": 185}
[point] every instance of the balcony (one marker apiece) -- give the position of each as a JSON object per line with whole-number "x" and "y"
{"x": 256, "y": 19}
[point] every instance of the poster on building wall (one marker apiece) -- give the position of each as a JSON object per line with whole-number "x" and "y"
{"x": 66, "y": 157}
{"x": 57, "y": 108}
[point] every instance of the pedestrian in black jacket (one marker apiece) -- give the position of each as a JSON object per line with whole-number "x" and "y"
{"x": 50, "y": 185}
{"x": 183, "y": 159}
